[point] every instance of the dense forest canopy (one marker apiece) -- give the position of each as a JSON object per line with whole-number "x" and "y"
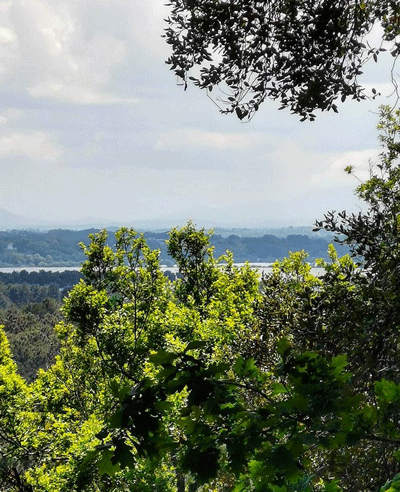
{"x": 219, "y": 380}
{"x": 28, "y": 314}
{"x": 305, "y": 54}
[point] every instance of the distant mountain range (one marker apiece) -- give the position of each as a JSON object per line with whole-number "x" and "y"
{"x": 11, "y": 221}
{"x": 8, "y": 220}
{"x": 266, "y": 214}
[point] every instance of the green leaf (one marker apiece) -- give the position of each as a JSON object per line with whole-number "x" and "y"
{"x": 197, "y": 344}
{"x": 202, "y": 462}
{"x": 332, "y": 487}
{"x": 238, "y": 366}
{"x": 283, "y": 346}
{"x": 162, "y": 357}
{"x": 385, "y": 391}
{"x": 393, "y": 485}
{"x": 278, "y": 388}
{"x": 122, "y": 454}
{"x": 105, "y": 465}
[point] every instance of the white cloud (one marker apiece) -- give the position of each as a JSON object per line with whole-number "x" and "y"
{"x": 38, "y": 145}
{"x": 8, "y": 41}
{"x": 193, "y": 138}
{"x": 76, "y": 95}
{"x": 335, "y": 175}
{"x": 7, "y": 35}
{"x": 48, "y": 50}
{"x": 148, "y": 26}
{"x": 10, "y": 115}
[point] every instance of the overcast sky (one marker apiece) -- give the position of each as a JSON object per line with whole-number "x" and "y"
{"x": 93, "y": 124}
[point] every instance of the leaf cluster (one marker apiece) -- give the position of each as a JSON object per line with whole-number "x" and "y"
{"x": 304, "y": 54}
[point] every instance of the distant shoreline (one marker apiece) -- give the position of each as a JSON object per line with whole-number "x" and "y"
{"x": 261, "y": 267}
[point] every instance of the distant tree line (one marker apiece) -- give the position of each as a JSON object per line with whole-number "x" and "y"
{"x": 36, "y": 248}
{"x": 62, "y": 248}
{"x": 62, "y": 280}
{"x": 269, "y": 248}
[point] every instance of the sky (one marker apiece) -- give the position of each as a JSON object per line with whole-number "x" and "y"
{"x": 95, "y": 129}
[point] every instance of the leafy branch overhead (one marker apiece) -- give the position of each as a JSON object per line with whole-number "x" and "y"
{"x": 305, "y": 54}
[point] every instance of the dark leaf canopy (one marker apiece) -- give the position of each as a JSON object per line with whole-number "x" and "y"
{"x": 304, "y": 53}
